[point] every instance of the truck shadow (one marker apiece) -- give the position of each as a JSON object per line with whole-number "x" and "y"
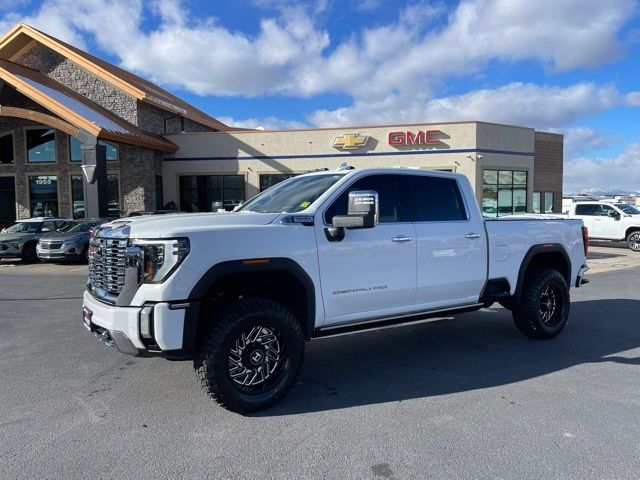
{"x": 472, "y": 351}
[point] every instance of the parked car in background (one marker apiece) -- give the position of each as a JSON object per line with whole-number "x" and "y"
{"x": 153, "y": 212}
{"x": 20, "y": 239}
{"x": 609, "y": 220}
{"x": 70, "y": 242}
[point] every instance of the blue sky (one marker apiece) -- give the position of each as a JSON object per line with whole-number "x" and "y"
{"x": 570, "y": 66}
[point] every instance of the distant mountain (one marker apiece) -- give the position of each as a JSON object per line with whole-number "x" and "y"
{"x": 599, "y": 192}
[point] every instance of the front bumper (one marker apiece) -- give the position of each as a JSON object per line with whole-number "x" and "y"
{"x": 9, "y": 251}
{"x": 65, "y": 252}
{"x": 157, "y": 327}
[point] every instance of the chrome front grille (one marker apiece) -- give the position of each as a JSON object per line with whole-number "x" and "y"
{"x": 51, "y": 245}
{"x": 107, "y": 265}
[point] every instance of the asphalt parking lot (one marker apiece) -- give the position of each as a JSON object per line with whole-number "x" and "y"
{"x": 449, "y": 398}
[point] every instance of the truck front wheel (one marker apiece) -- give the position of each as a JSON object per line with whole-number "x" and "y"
{"x": 543, "y": 308}
{"x": 250, "y": 355}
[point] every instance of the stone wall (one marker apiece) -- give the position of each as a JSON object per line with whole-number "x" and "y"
{"x": 60, "y": 69}
{"x": 548, "y": 167}
{"x": 162, "y": 122}
{"x": 138, "y": 167}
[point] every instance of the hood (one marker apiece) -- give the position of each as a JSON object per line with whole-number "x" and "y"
{"x": 12, "y": 237}
{"x": 63, "y": 236}
{"x": 171, "y": 225}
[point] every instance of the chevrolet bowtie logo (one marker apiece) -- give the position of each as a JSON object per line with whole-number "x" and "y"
{"x": 350, "y": 141}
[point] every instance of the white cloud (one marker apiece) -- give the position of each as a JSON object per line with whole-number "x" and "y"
{"x": 583, "y": 139}
{"x": 619, "y": 173}
{"x": 291, "y": 54}
{"x": 367, "y": 5}
{"x": 266, "y": 123}
{"x": 517, "y": 103}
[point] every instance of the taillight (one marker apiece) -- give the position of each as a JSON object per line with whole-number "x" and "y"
{"x": 585, "y": 240}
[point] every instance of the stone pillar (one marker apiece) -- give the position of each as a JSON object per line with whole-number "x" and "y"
{"x": 94, "y": 180}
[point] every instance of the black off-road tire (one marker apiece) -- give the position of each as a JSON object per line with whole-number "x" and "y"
{"x": 531, "y": 311}
{"x": 633, "y": 240}
{"x": 29, "y": 254}
{"x": 213, "y": 363}
{"x": 84, "y": 255}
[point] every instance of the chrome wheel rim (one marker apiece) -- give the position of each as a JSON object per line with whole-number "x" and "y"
{"x": 634, "y": 242}
{"x": 550, "y": 305}
{"x": 255, "y": 357}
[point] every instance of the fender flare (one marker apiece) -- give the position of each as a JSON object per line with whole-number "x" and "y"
{"x": 531, "y": 254}
{"x": 220, "y": 270}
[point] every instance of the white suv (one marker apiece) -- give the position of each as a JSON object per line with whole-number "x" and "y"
{"x": 610, "y": 221}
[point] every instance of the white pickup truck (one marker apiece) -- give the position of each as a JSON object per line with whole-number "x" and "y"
{"x": 609, "y": 220}
{"x": 318, "y": 254}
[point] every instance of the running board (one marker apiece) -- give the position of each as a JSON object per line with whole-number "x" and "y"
{"x": 393, "y": 320}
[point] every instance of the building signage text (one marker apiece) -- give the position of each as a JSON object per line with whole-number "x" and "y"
{"x": 421, "y": 137}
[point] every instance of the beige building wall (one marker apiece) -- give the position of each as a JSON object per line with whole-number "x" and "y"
{"x": 252, "y": 153}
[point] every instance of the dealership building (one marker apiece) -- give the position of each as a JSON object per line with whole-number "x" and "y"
{"x": 56, "y": 101}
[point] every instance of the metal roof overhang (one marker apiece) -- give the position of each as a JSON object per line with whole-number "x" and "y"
{"x": 73, "y": 109}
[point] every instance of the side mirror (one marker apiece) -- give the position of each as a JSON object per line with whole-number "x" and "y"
{"x": 614, "y": 214}
{"x": 362, "y": 212}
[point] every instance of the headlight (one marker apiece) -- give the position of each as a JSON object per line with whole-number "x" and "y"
{"x": 16, "y": 245}
{"x": 161, "y": 257}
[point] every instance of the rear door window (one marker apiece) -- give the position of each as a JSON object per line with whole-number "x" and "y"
{"x": 431, "y": 199}
{"x": 587, "y": 209}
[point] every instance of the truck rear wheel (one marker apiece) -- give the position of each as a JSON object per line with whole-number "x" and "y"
{"x": 543, "y": 308}
{"x": 633, "y": 240}
{"x": 250, "y": 355}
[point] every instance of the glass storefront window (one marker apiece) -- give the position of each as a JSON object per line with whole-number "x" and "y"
{"x": 536, "y": 202}
{"x": 77, "y": 196}
{"x": 75, "y": 150}
{"x": 41, "y": 145}
{"x": 548, "y": 202}
{"x": 6, "y": 148}
{"x": 504, "y": 192}
{"x": 505, "y": 177}
{"x": 270, "y": 179}
{"x": 210, "y": 193}
{"x": 43, "y": 195}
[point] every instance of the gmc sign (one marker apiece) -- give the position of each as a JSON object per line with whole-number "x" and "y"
{"x": 422, "y": 137}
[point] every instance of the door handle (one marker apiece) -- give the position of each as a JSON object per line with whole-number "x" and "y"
{"x": 472, "y": 236}
{"x": 401, "y": 238}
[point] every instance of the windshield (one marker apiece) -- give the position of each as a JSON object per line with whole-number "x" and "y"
{"x": 628, "y": 209}
{"x": 79, "y": 227}
{"x": 23, "y": 227}
{"x": 291, "y": 196}
{"x": 68, "y": 227}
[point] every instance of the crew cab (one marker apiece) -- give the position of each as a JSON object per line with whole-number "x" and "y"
{"x": 321, "y": 253}
{"x": 609, "y": 220}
